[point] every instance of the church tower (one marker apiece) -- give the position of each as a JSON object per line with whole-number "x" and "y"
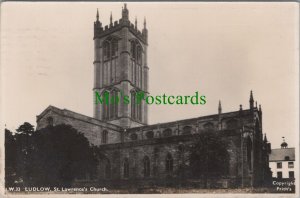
{"x": 120, "y": 70}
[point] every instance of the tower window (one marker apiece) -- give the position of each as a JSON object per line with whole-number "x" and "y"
{"x": 110, "y": 48}
{"x": 136, "y": 51}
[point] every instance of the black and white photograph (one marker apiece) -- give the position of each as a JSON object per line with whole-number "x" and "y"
{"x": 160, "y": 98}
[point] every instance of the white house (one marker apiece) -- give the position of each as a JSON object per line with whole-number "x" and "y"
{"x": 282, "y": 161}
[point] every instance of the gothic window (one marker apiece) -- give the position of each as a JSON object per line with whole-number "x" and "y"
{"x": 167, "y": 132}
{"x": 126, "y": 168}
{"x": 249, "y": 153}
{"x": 149, "y": 134}
{"x": 113, "y": 104}
{"x": 107, "y": 170}
{"x": 104, "y": 136}
{"x": 139, "y": 54}
{"x": 105, "y": 105}
{"x": 133, "y": 49}
{"x": 187, "y": 130}
{"x": 231, "y": 124}
{"x": 136, "y": 52}
{"x": 50, "y": 121}
{"x": 133, "y": 136}
{"x": 146, "y": 162}
{"x": 208, "y": 126}
{"x": 133, "y": 105}
{"x": 110, "y": 48}
{"x": 169, "y": 163}
{"x": 114, "y": 47}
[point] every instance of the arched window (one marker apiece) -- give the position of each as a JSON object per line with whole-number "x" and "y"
{"x": 113, "y": 104}
{"x": 114, "y": 47}
{"x": 139, "y": 54}
{"x": 107, "y": 170}
{"x": 104, "y": 136}
{"x": 208, "y": 126}
{"x": 133, "y": 49}
{"x": 110, "y": 48}
{"x": 231, "y": 124}
{"x": 146, "y": 162}
{"x": 169, "y": 163}
{"x": 187, "y": 130}
{"x": 126, "y": 168}
{"x": 133, "y": 136}
{"x": 50, "y": 121}
{"x": 136, "y": 51}
{"x": 249, "y": 153}
{"x": 149, "y": 134}
{"x": 167, "y": 132}
{"x": 133, "y": 104}
{"x": 105, "y": 104}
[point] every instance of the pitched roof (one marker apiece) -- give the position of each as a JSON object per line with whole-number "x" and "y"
{"x": 72, "y": 114}
{"x": 281, "y": 153}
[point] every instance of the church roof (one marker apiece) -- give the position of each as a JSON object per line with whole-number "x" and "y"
{"x": 281, "y": 154}
{"x": 72, "y": 114}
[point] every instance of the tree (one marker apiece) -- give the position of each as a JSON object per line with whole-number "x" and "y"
{"x": 26, "y": 128}
{"x": 10, "y": 158}
{"x": 53, "y": 156}
{"x": 60, "y": 155}
{"x": 209, "y": 156}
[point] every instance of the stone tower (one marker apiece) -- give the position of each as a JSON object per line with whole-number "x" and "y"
{"x": 120, "y": 70}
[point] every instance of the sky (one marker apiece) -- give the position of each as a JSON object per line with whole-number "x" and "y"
{"x": 221, "y": 50}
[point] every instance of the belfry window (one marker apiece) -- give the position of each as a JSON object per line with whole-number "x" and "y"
{"x": 136, "y": 52}
{"x": 110, "y": 48}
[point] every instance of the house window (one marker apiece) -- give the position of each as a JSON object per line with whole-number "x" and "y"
{"x": 169, "y": 163}
{"x": 146, "y": 162}
{"x": 286, "y": 158}
{"x": 104, "y": 136}
{"x": 126, "y": 168}
{"x": 279, "y": 165}
{"x": 279, "y": 175}
{"x": 291, "y": 164}
{"x": 291, "y": 174}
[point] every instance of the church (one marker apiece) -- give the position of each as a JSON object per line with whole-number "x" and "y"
{"x": 151, "y": 154}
